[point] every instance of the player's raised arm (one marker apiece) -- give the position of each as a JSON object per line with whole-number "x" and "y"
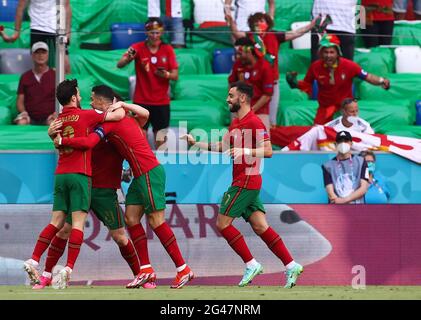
{"x": 127, "y": 57}
{"x": 116, "y": 112}
{"x": 142, "y": 114}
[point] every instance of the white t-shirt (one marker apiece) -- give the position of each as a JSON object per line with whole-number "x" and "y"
{"x": 154, "y": 8}
{"x": 342, "y": 12}
{"x": 43, "y": 15}
{"x": 358, "y": 125}
{"x": 245, "y": 8}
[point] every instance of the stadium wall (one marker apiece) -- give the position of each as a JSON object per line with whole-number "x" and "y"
{"x": 192, "y": 178}
{"x": 337, "y": 244}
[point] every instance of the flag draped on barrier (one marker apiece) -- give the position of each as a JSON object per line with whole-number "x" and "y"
{"x": 323, "y": 138}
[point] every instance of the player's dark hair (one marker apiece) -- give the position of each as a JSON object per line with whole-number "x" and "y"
{"x": 243, "y": 87}
{"x": 253, "y": 18}
{"x": 66, "y": 90}
{"x": 104, "y": 91}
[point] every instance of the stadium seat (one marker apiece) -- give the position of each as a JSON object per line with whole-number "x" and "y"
{"x": 408, "y": 59}
{"x": 223, "y": 59}
{"x": 8, "y": 10}
{"x": 418, "y": 116}
{"x": 15, "y": 61}
{"x": 123, "y": 35}
{"x": 208, "y": 10}
{"x": 303, "y": 42}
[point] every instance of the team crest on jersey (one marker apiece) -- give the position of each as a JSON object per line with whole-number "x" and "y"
{"x": 154, "y": 60}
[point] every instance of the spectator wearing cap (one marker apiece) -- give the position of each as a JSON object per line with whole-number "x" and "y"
{"x": 334, "y": 75}
{"x": 345, "y": 176}
{"x": 36, "y": 91}
{"x": 156, "y": 65}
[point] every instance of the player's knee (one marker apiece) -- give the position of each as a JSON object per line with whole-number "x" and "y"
{"x": 64, "y": 232}
{"x": 131, "y": 220}
{"x": 155, "y": 219}
{"x": 259, "y": 228}
{"x": 221, "y": 225}
{"x": 119, "y": 238}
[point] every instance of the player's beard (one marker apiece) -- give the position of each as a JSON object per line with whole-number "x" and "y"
{"x": 234, "y": 107}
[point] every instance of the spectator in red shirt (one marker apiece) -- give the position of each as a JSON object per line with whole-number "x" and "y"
{"x": 379, "y": 21}
{"x": 156, "y": 65}
{"x": 261, "y": 25}
{"x": 251, "y": 68}
{"x": 334, "y": 75}
{"x": 36, "y": 92}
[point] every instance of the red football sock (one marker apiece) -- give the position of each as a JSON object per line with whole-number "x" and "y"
{"x": 140, "y": 241}
{"x": 236, "y": 240}
{"x": 168, "y": 240}
{"x": 43, "y": 241}
{"x": 129, "y": 254}
{"x": 55, "y": 251}
{"x": 75, "y": 242}
{"x": 275, "y": 243}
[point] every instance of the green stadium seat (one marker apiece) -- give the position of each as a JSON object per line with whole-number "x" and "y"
{"x": 193, "y": 61}
{"x": 201, "y": 87}
{"x": 403, "y": 86}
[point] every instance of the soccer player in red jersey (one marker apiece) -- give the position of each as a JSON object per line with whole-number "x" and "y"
{"x": 146, "y": 194}
{"x": 106, "y": 179}
{"x": 156, "y": 65}
{"x": 256, "y": 71}
{"x": 269, "y": 41}
{"x": 72, "y": 185}
{"x": 247, "y": 142}
{"x": 334, "y": 75}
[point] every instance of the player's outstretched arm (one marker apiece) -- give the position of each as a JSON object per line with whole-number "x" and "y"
{"x": 215, "y": 146}
{"x": 81, "y": 143}
{"x": 378, "y": 81}
{"x": 294, "y": 34}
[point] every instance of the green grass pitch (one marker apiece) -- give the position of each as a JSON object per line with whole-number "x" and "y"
{"x": 192, "y": 292}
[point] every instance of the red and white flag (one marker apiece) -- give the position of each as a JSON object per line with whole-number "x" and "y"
{"x": 323, "y": 138}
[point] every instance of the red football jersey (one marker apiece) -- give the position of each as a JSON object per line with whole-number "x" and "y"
{"x": 260, "y": 76}
{"x": 151, "y": 89}
{"x": 129, "y": 140}
{"x": 77, "y": 123}
{"x": 333, "y": 91}
{"x": 107, "y": 164}
{"x": 248, "y": 132}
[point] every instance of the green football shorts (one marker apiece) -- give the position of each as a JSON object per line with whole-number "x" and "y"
{"x": 105, "y": 206}
{"x": 239, "y": 202}
{"x": 72, "y": 192}
{"x": 148, "y": 190}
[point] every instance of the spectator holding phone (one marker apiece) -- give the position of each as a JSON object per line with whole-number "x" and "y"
{"x": 156, "y": 65}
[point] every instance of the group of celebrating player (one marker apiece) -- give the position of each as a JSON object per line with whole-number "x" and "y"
{"x": 92, "y": 145}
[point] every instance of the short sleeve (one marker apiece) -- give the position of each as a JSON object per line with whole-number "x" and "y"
{"x": 268, "y": 80}
{"x": 280, "y": 36}
{"x": 309, "y": 78}
{"x": 95, "y": 116}
{"x": 233, "y": 77}
{"x": 364, "y": 171}
{"x": 327, "y": 178}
